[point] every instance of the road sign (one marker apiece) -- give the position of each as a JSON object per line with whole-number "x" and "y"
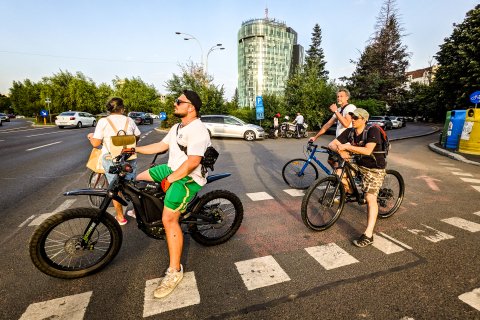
{"x": 44, "y": 113}
{"x": 260, "y": 110}
{"x": 475, "y": 97}
{"x": 162, "y": 116}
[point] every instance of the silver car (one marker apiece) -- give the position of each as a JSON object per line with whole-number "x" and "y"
{"x": 230, "y": 126}
{"x": 75, "y": 119}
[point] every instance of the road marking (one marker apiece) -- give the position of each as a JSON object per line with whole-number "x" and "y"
{"x": 447, "y": 164}
{"x": 436, "y": 237}
{"x": 465, "y": 174}
{"x": 70, "y": 307}
{"x": 26, "y": 221}
{"x": 396, "y": 241}
{"x": 469, "y": 180}
{"x": 65, "y": 205}
{"x": 430, "y": 182}
{"x": 185, "y": 294}
{"x": 46, "y": 145}
{"x": 295, "y": 192}
{"x": 463, "y": 224}
{"x": 42, "y": 134}
{"x": 14, "y": 130}
{"x": 471, "y": 298}
{"x": 453, "y": 169}
{"x": 476, "y": 188}
{"x": 331, "y": 256}
{"x": 477, "y": 213}
{"x": 258, "y": 196}
{"x": 386, "y": 246}
{"x": 261, "y": 272}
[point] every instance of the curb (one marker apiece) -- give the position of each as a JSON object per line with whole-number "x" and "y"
{"x": 451, "y": 155}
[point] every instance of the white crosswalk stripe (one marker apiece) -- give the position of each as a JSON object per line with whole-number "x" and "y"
{"x": 465, "y": 174}
{"x": 476, "y": 188}
{"x": 261, "y": 272}
{"x": 463, "y": 224}
{"x": 295, "y": 192}
{"x": 470, "y": 180}
{"x": 331, "y": 256}
{"x": 68, "y": 308}
{"x": 477, "y": 213}
{"x": 185, "y": 294}
{"x": 258, "y": 196}
{"x": 471, "y": 298}
{"x": 65, "y": 205}
{"x": 386, "y": 246}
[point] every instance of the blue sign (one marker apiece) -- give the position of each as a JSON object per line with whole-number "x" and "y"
{"x": 162, "y": 116}
{"x": 260, "y": 110}
{"x": 44, "y": 113}
{"x": 475, "y": 97}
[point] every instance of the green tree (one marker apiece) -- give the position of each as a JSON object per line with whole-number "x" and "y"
{"x": 25, "y": 98}
{"x": 459, "y": 72}
{"x": 5, "y": 104}
{"x": 136, "y": 94}
{"x": 315, "y": 56}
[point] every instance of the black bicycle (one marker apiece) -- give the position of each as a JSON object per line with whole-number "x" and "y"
{"x": 77, "y": 242}
{"x": 325, "y": 199}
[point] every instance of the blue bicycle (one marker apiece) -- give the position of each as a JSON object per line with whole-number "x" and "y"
{"x": 301, "y": 173}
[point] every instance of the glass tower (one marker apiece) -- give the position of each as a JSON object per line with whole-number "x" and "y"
{"x": 267, "y": 54}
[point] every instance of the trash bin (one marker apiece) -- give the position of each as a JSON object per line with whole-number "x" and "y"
{"x": 455, "y": 127}
{"x": 443, "y": 138}
{"x": 470, "y": 138}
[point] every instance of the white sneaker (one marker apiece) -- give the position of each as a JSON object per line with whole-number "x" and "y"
{"x": 131, "y": 213}
{"x": 169, "y": 282}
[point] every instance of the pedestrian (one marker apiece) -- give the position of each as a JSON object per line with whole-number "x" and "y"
{"x": 299, "y": 120}
{"x": 181, "y": 178}
{"x": 275, "y": 124}
{"x": 106, "y": 128}
{"x": 371, "y": 165}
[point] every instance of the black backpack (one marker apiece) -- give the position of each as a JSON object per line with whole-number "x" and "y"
{"x": 386, "y": 146}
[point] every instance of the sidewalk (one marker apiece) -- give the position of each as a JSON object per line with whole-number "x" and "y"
{"x": 467, "y": 158}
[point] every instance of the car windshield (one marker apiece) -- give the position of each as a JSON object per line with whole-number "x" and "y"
{"x": 241, "y": 121}
{"x": 67, "y": 113}
{"x": 135, "y": 114}
{"x": 376, "y": 118}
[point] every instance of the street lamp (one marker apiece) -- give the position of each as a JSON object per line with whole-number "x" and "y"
{"x": 190, "y": 37}
{"x": 218, "y": 46}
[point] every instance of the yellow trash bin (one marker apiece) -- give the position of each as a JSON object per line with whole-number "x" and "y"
{"x": 470, "y": 138}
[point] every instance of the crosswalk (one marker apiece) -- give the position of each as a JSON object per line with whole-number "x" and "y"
{"x": 266, "y": 271}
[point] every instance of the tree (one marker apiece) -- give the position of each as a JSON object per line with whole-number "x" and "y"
{"x": 380, "y": 70}
{"x": 459, "y": 72}
{"x": 25, "y": 98}
{"x": 136, "y": 94}
{"x": 5, "y": 104}
{"x": 315, "y": 56}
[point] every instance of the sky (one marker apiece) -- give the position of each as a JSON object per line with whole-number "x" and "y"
{"x": 104, "y": 39}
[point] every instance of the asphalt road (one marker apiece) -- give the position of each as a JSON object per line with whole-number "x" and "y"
{"x": 427, "y": 267}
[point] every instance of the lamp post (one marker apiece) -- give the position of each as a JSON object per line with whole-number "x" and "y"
{"x": 218, "y": 46}
{"x": 190, "y": 37}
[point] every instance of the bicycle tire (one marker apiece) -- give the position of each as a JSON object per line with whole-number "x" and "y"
{"x": 321, "y": 207}
{"x": 291, "y": 170}
{"x": 97, "y": 181}
{"x": 54, "y": 248}
{"x": 390, "y": 195}
{"x": 227, "y": 209}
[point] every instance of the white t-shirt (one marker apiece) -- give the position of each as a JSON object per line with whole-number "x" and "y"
{"x": 345, "y": 110}
{"x": 196, "y": 138}
{"x": 299, "y": 119}
{"x": 105, "y": 130}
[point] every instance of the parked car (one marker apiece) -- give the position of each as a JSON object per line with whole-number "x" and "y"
{"x": 75, "y": 119}
{"x": 140, "y": 117}
{"x": 230, "y": 126}
{"x": 4, "y": 117}
{"x": 154, "y": 116}
{"x": 382, "y": 121}
{"x": 398, "y": 122}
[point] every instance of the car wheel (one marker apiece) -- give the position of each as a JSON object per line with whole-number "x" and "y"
{"x": 209, "y": 133}
{"x": 79, "y": 124}
{"x": 249, "y": 135}
{"x": 61, "y": 127}
{"x": 94, "y": 123}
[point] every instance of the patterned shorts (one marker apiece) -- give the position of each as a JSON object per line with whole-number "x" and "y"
{"x": 372, "y": 178}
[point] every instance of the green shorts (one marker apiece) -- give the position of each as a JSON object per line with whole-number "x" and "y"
{"x": 180, "y": 193}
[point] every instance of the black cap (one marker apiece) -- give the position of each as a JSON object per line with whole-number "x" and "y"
{"x": 194, "y": 99}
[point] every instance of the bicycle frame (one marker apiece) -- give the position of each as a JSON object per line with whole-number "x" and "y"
{"x": 312, "y": 157}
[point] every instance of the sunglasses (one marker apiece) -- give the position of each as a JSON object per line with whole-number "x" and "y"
{"x": 356, "y": 117}
{"x": 179, "y": 102}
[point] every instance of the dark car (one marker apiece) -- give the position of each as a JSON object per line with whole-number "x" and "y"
{"x": 382, "y": 121}
{"x": 4, "y": 117}
{"x": 140, "y": 117}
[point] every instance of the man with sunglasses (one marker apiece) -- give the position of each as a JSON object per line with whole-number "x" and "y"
{"x": 181, "y": 178}
{"x": 371, "y": 166}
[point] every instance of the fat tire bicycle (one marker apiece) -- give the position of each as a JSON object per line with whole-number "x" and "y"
{"x": 325, "y": 198}
{"x": 301, "y": 173}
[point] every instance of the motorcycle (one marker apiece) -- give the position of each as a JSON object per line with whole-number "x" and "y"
{"x": 78, "y": 242}
{"x": 289, "y": 130}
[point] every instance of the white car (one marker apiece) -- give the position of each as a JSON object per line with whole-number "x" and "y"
{"x": 230, "y": 126}
{"x": 154, "y": 116}
{"x": 75, "y": 119}
{"x": 397, "y": 122}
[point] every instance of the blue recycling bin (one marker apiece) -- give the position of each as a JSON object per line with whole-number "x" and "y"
{"x": 455, "y": 127}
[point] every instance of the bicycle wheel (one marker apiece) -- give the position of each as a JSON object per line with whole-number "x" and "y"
{"x": 97, "y": 181}
{"x": 293, "y": 176}
{"x": 391, "y": 194}
{"x": 321, "y": 205}
{"x": 227, "y": 211}
{"x": 55, "y": 245}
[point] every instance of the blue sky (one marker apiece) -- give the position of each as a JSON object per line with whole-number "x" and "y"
{"x": 104, "y": 39}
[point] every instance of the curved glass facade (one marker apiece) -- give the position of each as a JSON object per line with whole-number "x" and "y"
{"x": 265, "y": 58}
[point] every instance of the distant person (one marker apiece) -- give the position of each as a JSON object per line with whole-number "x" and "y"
{"x": 299, "y": 120}
{"x": 106, "y": 128}
{"x": 275, "y": 124}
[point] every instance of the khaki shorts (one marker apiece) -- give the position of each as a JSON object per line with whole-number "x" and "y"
{"x": 372, "y": 178}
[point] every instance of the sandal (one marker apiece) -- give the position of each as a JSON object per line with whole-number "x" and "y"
{"x": 122, "y": 222}
{"x": 363, "y": 241}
